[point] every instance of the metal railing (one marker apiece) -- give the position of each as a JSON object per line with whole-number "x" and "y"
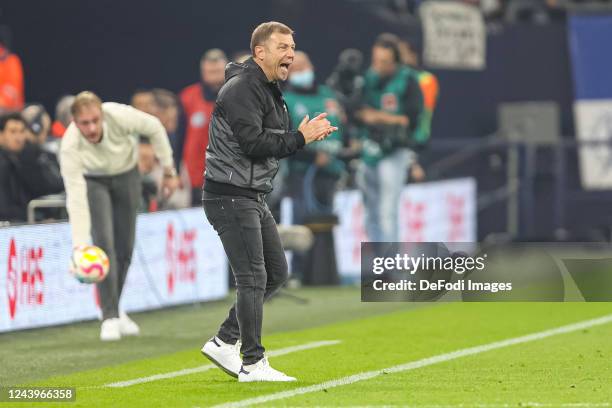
{"x": 50, "y": 201}
{"x": 518, "y": 191}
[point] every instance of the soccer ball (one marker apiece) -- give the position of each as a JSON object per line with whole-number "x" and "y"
{"x": 89, "y": 264}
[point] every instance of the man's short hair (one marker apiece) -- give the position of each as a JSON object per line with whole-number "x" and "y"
{"x": 34, "y": 115}
{"x": 413, "y": 43}
{"x": 301, "y": 53}
{"x": 85, "y": 98}
{"x": 390, "y": 42}
{"x": 62, "y": 109}
{"x": 164, "y": 98}
{"x": 6, "y": 117}
{"x": 213, "y": 55}
{"x": 263, "y": 32}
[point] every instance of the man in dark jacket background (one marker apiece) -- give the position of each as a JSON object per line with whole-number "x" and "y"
{"x": 198, "y": 102}
{"x": 249, "y": 133}
{"x": 26, "y": 170}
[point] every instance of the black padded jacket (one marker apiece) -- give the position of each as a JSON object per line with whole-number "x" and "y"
{"x": 248, "y": 134}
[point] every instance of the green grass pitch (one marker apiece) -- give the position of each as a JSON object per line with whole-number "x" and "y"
{"x": 571, "y": 369}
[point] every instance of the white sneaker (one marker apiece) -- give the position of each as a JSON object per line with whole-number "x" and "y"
{"x": 223, "y": 355}
{"x": 127, "y": 326}
{"x": 109, "y": 331}
{"x": 261, "y": 371}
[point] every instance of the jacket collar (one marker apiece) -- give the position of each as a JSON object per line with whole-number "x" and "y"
{"x": 256, "y": 69}
{"x": 259, "y": 74}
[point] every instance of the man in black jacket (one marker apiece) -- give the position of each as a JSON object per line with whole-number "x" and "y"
{"x": 249, "y": 133}
{"x": 26, "y": 170}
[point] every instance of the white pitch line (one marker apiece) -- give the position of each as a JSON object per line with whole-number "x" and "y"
{"x": 500, "y": 405}
{"x": 441, "y": 358}
{"x": 188, "y": 371}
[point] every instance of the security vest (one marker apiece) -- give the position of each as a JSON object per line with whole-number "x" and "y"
{"x": 430, "y": 90}
{"x": 197, "y": 113}
{"x": 11, "y": 81}
{"x": 313, "y": 103}
{"x": 389, "y": 97}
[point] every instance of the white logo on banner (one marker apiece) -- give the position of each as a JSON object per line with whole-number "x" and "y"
{"x": 350, "y": 231}
{"x": 198, "y": 119}
{"x": 594, "y": 123}
{"x": 455, "y": 35}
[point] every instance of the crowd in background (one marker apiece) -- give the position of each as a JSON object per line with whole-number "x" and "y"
{"x": 29, "y": 140}
{"x": 381, "y": 110}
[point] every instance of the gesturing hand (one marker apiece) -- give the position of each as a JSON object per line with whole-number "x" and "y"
{"x": 317, "y": 128}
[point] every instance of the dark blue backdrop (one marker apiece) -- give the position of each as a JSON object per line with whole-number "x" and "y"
{"x": 116, "y": 47}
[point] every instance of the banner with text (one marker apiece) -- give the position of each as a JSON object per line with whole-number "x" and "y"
{"x": 428, "y": 212}
{"x": 455, "y": 35}
{"x": 178, "y": 258}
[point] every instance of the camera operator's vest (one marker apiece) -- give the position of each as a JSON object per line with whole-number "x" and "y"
{"x": 313, "y": 103}
{"x": 392, "y": 95}
{"x": 388, "y": 95}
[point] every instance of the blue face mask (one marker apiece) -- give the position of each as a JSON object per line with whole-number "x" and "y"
{"x": 302, "y": 79}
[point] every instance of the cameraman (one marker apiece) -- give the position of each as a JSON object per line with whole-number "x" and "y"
{"x": 392, "y": 104}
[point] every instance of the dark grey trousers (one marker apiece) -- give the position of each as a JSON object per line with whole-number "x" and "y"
{"x": 113, "y": 205}
{"x": 252, "y": 244}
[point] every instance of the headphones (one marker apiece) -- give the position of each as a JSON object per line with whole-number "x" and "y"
{"x": 36, "y": 123}
{"x": 389, "y": 41}
{"x": 395, "y": 50}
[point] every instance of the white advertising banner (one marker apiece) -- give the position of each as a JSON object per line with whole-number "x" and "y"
{"x": 350, "y": 232}
{"x": 178, "y": 258}
{"x": 594, "y": 123}
{"x": 441, "y": 211}
{"x": 454, "y": 35}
